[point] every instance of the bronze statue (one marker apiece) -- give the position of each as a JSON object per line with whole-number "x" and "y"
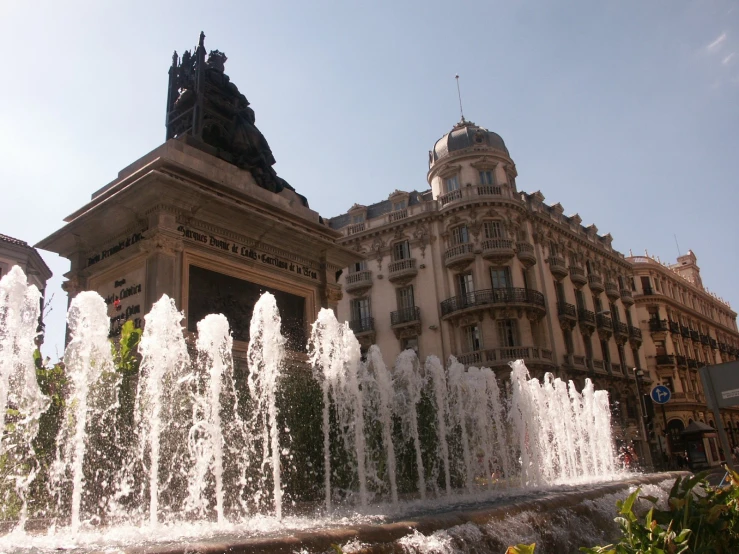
{"x": 204, "y": 104}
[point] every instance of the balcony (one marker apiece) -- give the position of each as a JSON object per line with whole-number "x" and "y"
{"x": 557, "y": 267}
{"x": 612, "y": 291}
{"x": 489, "y": 190}
{"x": 362, "y": 326}
{"x": 674, "y": 327}
{"x": 604, "y": 322}
{"x": 491, "y": 357}
{"x": 658, "y": 325}
{"x": 685, "y": 331}
{"x": 597, "y": 365}
{"x": 712, "y": 342}
{"x": 722, "y": 347}
{"x": 577, "y": 276}
{"x": 664, "y": 360}
{"x": 406, "y": 322}
{"x": 359, "y": 282}
{"x": 497, "y": 250}
{"x": 635, "y": 333}
{"x": 531, "y": 300}
{"x": 567, "y": 313}
{"x": 695, "y": 335}
{"x": 459, "y": 256}
{"x": 397, "y": 215}
{"x": 402, "y": 271}
{"x": 596, "y": 283}
{"x": 704, "y": 339}
{"x": 355, "y": 228}
{"x": 586, "y": 318}
{"x": 648, "y": 291}
{"x": 627, "y": 297}
{"x": 449, "y": 197}
{"x": 525, "y": 253}
{"x": 621, "y": 330}
{"x": 616, "y": 369}
{"x": 692, "y": 364}
{"x": 681, "y": 361}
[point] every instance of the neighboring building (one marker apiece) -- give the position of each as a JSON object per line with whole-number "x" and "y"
{"x": 476, "y": 269}
{"x": 18, "y": 252}
{"x": 685, "y": 328}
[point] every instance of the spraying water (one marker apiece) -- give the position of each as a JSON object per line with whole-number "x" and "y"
{"x": 92, "y": 400}
{"x": 335, "y": 355}
{"x": 206, "y": 440}
{"x": 164, "y": 408}
{"x": 435, "y": 371}
{"x": 377, "y": 368}
{"x": 266, "y": 362}
{"x": 19, "y": 390}
{"x": 408, "y": 383}
{"x": 193, "y": 459}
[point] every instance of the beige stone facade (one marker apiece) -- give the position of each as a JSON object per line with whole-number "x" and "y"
{"x": 475, "y": 268}
{"x": 18, "y": 252}
{"x": 685, "y": 328}
{"x": 187, "y": 224}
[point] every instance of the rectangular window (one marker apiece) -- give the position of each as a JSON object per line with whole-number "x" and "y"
{"x": 645, "y": 286}
{"x": 560, "y": 290}
{"x": 460, "y": 235}
{"x": 494, "y": 230}
{"x": 622, "y": 357}
{"x": 569, "y": 344}
{"x": 629, "y": 321}
{"x": 486, "y": 177}
{"x": 500, "y": 277}
{"x": 452, "y": 183}
{"x": 525, "y": 276}
{"x": 358, "y": 218}
{"x": 405, "y": 298}
{"x": 614, "y": 313}
{"x": 580, "y": 299}
{"x": 358, "y": 266}
{"x": 508, "y": 332}
{"x": 465, "y": 285}
{"x": 597, "y": 306}
{"x": 605, "y": 351}
{"x": 361, "y": 309}
{"x": 399, "y": 205}
{"x": 473, "y": 341}
{"x": 635, "y": 355}
{"x": 401, "y": 251}
{"x": 410, "y": 343}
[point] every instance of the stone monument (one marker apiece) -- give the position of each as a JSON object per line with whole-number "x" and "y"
{"x": 205, "y": 219}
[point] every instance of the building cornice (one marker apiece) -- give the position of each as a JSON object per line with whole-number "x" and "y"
{"x": 652, "y": 298}
{"x": 678, "y": 279}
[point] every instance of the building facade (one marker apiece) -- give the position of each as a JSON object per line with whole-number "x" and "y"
{"x": 476, "y": 269}
{"x": 18, "y": 252}
{"x": 685, "y": 328}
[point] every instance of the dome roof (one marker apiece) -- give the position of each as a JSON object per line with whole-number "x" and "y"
{"x": 464, "y": 135}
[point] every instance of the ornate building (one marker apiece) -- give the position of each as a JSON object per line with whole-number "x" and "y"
{"x": 476, "y": 269}
{"x": 685, "y": 328}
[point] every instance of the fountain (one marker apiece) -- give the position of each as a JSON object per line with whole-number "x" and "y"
{"x": 206, "y": 458}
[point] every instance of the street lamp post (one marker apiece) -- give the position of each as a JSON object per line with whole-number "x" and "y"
{"x": 646, "y": 450}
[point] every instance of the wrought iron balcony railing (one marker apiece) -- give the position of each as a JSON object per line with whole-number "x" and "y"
{"x": 492, "y": 296}
{"x": 405, "y": 315}
{"x": 363, "y": 325}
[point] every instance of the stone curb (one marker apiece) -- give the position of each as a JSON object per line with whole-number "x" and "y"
{"x": 382, "y": 536}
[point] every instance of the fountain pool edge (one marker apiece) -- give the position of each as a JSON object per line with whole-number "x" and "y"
{"x": 380, "y": 536}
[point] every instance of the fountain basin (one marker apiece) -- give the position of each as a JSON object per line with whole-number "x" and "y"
{"x": 555, "y": 517}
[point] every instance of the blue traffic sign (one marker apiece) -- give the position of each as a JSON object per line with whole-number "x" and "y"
{"x": 660, "y": 394}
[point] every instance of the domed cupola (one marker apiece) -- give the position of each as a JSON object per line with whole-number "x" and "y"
{"x": 465, "y": 137}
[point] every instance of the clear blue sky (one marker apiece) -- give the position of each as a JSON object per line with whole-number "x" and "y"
{"x": 625, "y": 112}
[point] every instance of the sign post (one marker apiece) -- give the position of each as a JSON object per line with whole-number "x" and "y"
{"x": 721, "y": 383}
{"x": 661, "y": 395}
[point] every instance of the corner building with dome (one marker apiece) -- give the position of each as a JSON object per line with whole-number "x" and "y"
{"x": 476, "y": 269}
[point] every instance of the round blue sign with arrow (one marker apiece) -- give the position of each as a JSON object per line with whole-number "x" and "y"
{"x": 660, "y": 394}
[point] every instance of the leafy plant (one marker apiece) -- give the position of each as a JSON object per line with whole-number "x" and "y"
{"x": 699, "y": 519}
{"x": 521, "y": 549}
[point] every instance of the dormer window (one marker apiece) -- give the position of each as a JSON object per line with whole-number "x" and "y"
{"x": 358, "y": 218}
{"x": 451, "y": 183}
{"x": 400, "y": 205}
{"x": 487, "y": 177}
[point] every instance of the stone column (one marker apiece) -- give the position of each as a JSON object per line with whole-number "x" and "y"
{"x": 163, "y": 250}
